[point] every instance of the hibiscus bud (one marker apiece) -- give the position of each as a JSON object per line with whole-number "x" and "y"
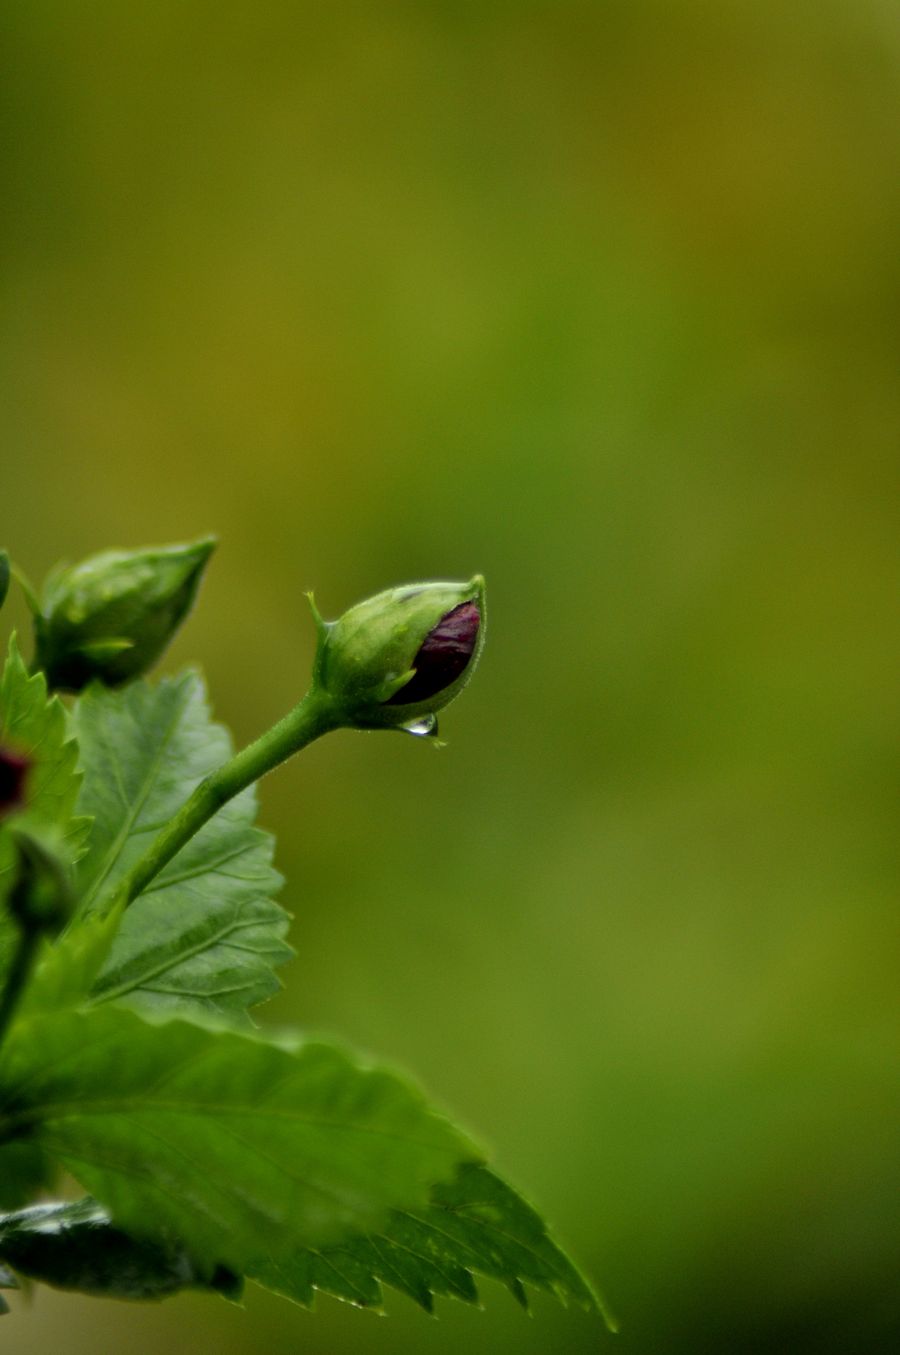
{"x": 395, "y": 660}
{"x": 13, "y": 771}
{"x": 111, "y": 616}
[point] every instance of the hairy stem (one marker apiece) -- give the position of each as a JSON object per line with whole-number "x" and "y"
{"x": 310, "y": 719}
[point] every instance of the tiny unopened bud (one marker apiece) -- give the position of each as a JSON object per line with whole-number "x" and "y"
{"x": 111, "y": 616}
{"x": 395, "y": 660}
{"x": 13, "y": 772}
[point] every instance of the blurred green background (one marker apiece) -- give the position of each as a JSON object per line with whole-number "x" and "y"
{"x": 600, "y": 299}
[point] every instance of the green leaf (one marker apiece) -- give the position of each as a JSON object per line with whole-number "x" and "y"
{"x": 76, "y": 1246}
{"x": 38, "y": 728}
{"x": 243, "y": 1148}
{"x": 475, "y": 1224}
{"x": 206, "y": 934}
{"x": 67, "y": 966}
{"x": 25, "y": 1170}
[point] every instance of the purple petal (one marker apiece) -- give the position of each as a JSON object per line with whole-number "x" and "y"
{"x": 443, "y": 655}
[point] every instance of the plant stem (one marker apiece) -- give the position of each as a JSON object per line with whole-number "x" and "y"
{"x": 313, "y": 716}
{"x": 17, "y": 977}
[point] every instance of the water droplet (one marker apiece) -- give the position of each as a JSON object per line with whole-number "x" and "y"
{"x": 423, "y": 727}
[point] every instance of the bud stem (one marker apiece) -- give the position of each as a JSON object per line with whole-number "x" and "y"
{"x": 313, "y": 716}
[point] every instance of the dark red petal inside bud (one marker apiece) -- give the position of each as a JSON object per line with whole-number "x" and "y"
{"x": 13, "y": 769}
{"x": 443, "y": 655}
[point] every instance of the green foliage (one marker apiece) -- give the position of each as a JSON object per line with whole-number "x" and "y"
{"x": 37, "y": 728}
{"x": 67, "y": 967}
{"x": 239, "y": 1146}
{"x": 25, "y": 1171}
{"x": 205, "y": 935}
{"x": 211, "y": 1152}
{"x": 473, "y": 1224}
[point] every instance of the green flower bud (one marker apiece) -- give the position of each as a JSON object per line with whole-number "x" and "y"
{"x": 4, "y": 576}
{"x": 394, "y": 661}
{"x": 111, "y": 616}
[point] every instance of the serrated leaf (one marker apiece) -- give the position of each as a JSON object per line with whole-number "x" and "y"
{"x": 67, "y": 966}
{"x": 475, "y": 1224}
{"x": 205, "y": 935}
{"x": 76, "y": 1246}
{"x": 38, "y": 728}
{"x": 241, "y": 1147}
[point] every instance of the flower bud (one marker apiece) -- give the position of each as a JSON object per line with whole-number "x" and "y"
{"x": 394, "y": 661}
{"x": 13, "y": 771}
{"x": 111, "y": 616}
{"x": 4, "y": 576}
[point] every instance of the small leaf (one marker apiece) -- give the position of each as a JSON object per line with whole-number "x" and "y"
{"x": 206, "y": 935}
{"x": 242, "y": 1148}
{"x": 76, "y": 1246}
{"x": 37, "y": 727}
{"x": 474, "y": 1224}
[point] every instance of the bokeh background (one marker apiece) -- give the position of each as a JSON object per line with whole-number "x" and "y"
{"x": 601, "y": 299}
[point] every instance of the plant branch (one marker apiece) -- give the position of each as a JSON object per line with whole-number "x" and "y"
{"x": 313, "y": 716}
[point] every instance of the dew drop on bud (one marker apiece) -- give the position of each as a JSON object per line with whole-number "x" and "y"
{"x": 423, "y": 727}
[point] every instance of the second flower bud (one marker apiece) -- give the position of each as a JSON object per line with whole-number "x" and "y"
{"x": 395, "y": 660}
